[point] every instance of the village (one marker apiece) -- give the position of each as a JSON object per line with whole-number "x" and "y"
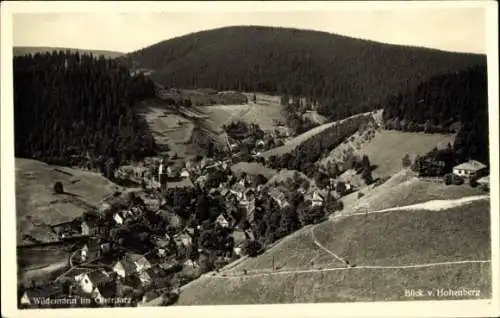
{"x": 189, "y": 218}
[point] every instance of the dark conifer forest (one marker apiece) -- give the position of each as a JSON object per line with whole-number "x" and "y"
{"x": 344, "y": 75}
{"x": 447, "y": 103}
{"x": 72, "y": 109}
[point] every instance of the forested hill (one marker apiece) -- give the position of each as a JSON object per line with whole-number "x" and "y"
{"x": 447, "y": 103}
{"x": 345, "y": 75}
{"x": 73, "y": 109}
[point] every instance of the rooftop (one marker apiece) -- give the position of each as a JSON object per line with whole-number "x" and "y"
{"x": 471, "y": 165}
{"x": 98, "y": 276}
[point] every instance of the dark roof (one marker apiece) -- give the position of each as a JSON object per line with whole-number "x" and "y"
{"x": 128, "y": 266}
{"x": 152, "y": 257}
{"x": 76, "y": 271}
{"x": 108, "y": 290}
{"x": 98, "y": 277}
{"x": 155, "y": 272}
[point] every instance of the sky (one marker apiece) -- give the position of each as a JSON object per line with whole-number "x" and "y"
{"x": 449, "y": 29}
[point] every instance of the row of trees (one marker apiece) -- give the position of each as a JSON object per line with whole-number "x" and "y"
{"x": 305, "y": 155}
{"x": 75, "y": 109}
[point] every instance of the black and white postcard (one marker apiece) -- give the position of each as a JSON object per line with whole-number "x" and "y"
{"x": 296, "y": 159}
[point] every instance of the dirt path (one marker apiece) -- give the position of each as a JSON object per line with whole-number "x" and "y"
{"x": 291, "y": 272}
{"x": 433, "y": 205}
{"x": 318, "y": 244}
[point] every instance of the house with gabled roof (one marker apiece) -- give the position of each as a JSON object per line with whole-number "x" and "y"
{"x": 470, "y": 169}
{"x": 315, "y": 198}
{"x": 139, "y": 260}
{"x": 92, "y": 282}
{"x": 278, "y": 196}
{"x": 222, "y": 220}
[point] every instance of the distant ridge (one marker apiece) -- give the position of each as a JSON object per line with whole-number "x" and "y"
{"x": 346, "y": 75}
{"x": 23, "y": 50}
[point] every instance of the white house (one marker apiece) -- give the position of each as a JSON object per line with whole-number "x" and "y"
{"x": 184, "y": 173}
{"x": 118, "y": 218}
{"x": 89, "y": 283}
{"x": 237, "y": 251}
{"x": 316, "y": 199}
{"x": 124, "y": 268}
{"x": 222, "y": 221}
{"x": 469, "y": 169}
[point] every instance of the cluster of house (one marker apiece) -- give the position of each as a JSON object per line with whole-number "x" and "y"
{"x": 149, "y": 272}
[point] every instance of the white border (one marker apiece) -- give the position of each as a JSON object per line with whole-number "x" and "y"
{"x": 464, "y": 308}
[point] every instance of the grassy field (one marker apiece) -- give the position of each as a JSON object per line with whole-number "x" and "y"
{"x": 387, "y": 148}
{"x": 169, "y": 128}
{"x": 219, "y": 115}
{"x": 262, "y": 113}
{"x": 299, "y": 253}
{"x": 339, "y": 286}
{"x": 36, "y": 202}
{"x": 411, "y": 237}
{"x": 405, "y": 189}
{"x": 253, "y": 168}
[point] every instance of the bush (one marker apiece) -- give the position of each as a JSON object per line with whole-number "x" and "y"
{"x": 448, "y": 179}
{"x": 360, "y": 195}
{"x": 252, "y": 248}
{"x": 340, "y": 205}
{"x": 458, "y": 180}
{"x": 406, "y": 161}
{"x": 58, "y": 187}
{"x": 473, "y": 182}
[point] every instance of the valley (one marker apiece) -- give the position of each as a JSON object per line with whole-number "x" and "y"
{"x": 252, "y": 165}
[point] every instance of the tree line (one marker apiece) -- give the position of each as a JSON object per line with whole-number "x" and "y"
{"x": 451, "y": 103}
{"x": 76, "y": 109}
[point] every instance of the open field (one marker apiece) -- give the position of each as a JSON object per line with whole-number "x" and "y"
{"x": 253, "y": 168}
{"x": 266, "y": 110}
{"x": 36, "y": 200}
{"x": 299, "y": 253}
{"x": 219, "y": 115}
{"x": 342, "y": 285}
{"x": 411, "y": 237}
{"x": 169, "y": 128}
{"x": 405, "y": 188}
{"x": 388, "y": 147}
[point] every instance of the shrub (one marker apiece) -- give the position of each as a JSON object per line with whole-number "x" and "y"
{"x": 360, "y": 195}
{"x": 406, "y": 161}
{"x": 473, "y": 182}
{"x": 58, "y": 187}
{"x": 448, "y": 179}
{"x": 252, "y": 248}
{"x": 458, "y": 180}
{"x": 340, "y": 205}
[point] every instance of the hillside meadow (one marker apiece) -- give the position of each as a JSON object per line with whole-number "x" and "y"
{"x": 36, "y": 202}
{"x": 343, "y": 285}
